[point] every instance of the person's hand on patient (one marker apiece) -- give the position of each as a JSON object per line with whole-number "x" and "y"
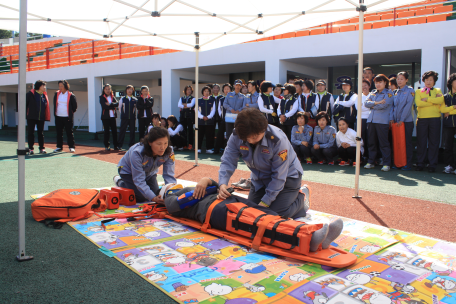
{"x": 158, "y": 200}
{"x": 223, "y": 192}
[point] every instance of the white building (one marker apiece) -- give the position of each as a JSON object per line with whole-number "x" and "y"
{"x": 415, "y": 48}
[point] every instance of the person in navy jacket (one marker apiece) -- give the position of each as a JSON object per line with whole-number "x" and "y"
{"x": 206, "y": 120}
{"x": 144, "y": 105}
{"x": 220, "y": 113}
{"x": 127, "y": 108}
{"x": 380, "y": 102}
{"x": 138, "y": 168}
{"x": 65, "y": 105}
{"x": 301, "y": 138}
{"x": 186, "y": 105}
{"x": 37, "y": 105}
{"x": 109, "y": 105}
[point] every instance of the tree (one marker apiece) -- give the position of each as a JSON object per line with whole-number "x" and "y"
{"x": 4, "y": 34}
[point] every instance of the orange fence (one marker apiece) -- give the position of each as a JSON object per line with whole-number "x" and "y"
{"x": 54, "y": 54}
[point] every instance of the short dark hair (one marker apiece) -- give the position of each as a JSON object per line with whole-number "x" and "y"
{"x": 206, "y": 88}
{"x": 142, "y": 88}
{"x": 153, "y": 135}
{"x": 265, "y": 85}
{"x": 38, "y": 84}
{"x": 291, "y": 88}
{"x": 404, "y": 73}
{"x": 450, "y": 82}
{"x": 367, "y": 82}
{"x": 428, "y": 74}
{"x": 155, "y": 115}
{"x": 188, "y": 87}
{"x": 129, "y": 87}
{"x": 382, "y": 77}
{"x": 302, "y": 114}
{"x": 309, "y": 84}
{"x": 254, "y": 83}
{"x": 227, "y": 85}
{"x": 250, "y": 122}
{"x": 342, "y": 119}
{"x": 299, "y": 82}
{"x": 324, "y": 115}
{"x": 393, "y": 81}
{"x": 166, "y": 122}
{"x": 280, "y": 86}
{"x": 65, "y": 83}
{"x": 173, "y": 119}
{"x": 368, "y": 69}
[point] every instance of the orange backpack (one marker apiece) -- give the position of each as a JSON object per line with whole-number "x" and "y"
{"x": 66, "y": 205}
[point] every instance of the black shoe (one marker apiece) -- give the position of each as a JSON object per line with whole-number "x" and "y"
{"x": 107, "y": 148}
{"x": 118, "y": 149}
{"x": 431, "y": 169}
{"x": 419, "y": 168}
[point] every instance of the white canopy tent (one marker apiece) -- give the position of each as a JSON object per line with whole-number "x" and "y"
{"x": 189, "y": 25}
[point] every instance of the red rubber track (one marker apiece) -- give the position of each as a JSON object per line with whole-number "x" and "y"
{"x": 408, "y": 214}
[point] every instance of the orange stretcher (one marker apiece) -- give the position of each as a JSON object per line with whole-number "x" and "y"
{"x": 332, "y": 256}
{"x": 399, "y": 145}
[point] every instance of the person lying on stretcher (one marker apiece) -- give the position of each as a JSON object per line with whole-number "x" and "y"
{"x": 194, "y": 202}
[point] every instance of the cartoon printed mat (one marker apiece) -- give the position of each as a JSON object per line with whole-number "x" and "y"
{"x": 193, "y": 267}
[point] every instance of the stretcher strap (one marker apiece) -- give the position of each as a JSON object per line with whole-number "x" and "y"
{"x": 274, "y": 229}
{"x": 295, "y": 240}
{"x": 236, "y": 222}
{"x": 261, "y": 229}
{"x": 255, "y": 227}
{"x": 206, "y": 224}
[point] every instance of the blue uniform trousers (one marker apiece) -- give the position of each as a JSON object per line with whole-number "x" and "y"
{"x": 288, "y": 203}
{"x": 379, "y": 132}
{"x": 428, "y": 139}
{"x": 127, "y": 182}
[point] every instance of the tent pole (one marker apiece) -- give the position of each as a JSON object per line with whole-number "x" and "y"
{"x": 21, "y": 151}
{"x": 361, "y": 9}
{"x": 197, "y": 47}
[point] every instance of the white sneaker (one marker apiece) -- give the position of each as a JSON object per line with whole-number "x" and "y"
{"x": 72, "y": 150}
{"x": 58, "y": 150}
{"x": 369, "y": 166}
{"x": 180, "y": 149}
{"x": 241, "y": 181}
{"x": 210, "y": 151}
{"x": 306, "y": 190}
{"x": 386, "y": 168}
{"x": 116, "y": 179}
{"x": 199, "y": 151}
{"x": 448, "y": 169}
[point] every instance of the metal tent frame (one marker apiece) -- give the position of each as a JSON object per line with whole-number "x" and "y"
{"x": 179, "y": 41}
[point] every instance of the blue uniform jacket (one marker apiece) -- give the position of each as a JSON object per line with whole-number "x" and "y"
{"x": 379, "y": 113}
{"x": 298, "y": 137}
{"x": 251, "y": 100}
{"x": 402, "y": 105}
{"x": 234, "y": 101}
{"x": 141, "y": 167}
{"x": 325, "y": 138}
{"x": 271, "y": 162}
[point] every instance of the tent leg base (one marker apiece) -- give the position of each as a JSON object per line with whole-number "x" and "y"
{"x": 24, "y": 258}
{"x": 195, "y": 165}
{"x": 357, "y": 196}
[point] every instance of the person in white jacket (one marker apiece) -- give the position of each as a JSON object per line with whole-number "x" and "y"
{"x": 364, "y": 115}
{"x": 176, "y": 133}
{"x": 346, "y": 143}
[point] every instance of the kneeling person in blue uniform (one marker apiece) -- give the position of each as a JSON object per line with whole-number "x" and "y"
{"x": 205, "y": 193}
{"x": 275, "y": 169}
{"x": 138, "y": 168}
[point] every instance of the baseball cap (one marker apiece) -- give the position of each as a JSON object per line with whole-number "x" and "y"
{"x": 321, "y": 81}
{"x": 347, "y": 81}
{"x": 238, "y": 81}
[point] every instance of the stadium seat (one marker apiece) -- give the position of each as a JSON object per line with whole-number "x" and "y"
{"x": 404, "y": 14}
{"x": 289, "y": 35}
{"x": 302, "y": 33}
{"x": 380, "y": 24}
{"x": 372, "y": 18}
{"x": 342, "y": 22}
{"x": 317, "y": 32}
{"x": 425, "y": 11}
{"x": 443, "y": 9}
{"x": 347, "y": 28}
{"x": 387, "y": 16}
{"x": 277, "y": 37}
{"x": 417, "y": 20}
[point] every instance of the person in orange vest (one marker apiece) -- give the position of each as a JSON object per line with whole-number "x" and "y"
{"x": 37, "y": 105}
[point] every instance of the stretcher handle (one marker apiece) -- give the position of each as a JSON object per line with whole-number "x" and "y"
{"x": 206, "y": 224}
{"x": 261, "y": 229}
